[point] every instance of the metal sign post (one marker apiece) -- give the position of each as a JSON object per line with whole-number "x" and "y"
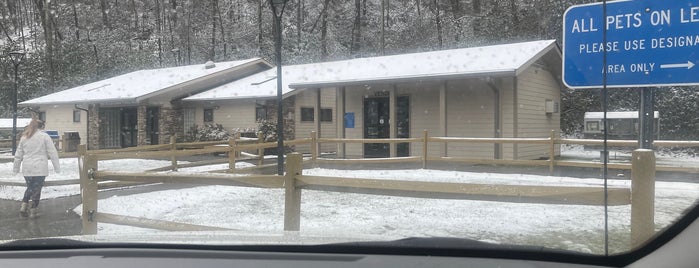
{"x": 645, "y": 119}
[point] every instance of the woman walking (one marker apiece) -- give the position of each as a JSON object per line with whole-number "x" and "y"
{"x": 32, "y": 154}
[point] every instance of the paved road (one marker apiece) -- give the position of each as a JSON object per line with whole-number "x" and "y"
{"x": 57, "y": 217}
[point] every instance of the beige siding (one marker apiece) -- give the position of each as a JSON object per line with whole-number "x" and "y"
{"x": 307, "y": 99}
{"x": 60, "y": 117}
{"x": 237, "y": 115}
{"x": 507, "y": 106}
{"x": 471, "y": 113}
{"x": 424, "y": 114}
{"x": 535, "y": 86}
{"x": 233, "y": 115}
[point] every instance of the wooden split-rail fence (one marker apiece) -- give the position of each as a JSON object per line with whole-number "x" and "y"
{"x": 640, "y": 196}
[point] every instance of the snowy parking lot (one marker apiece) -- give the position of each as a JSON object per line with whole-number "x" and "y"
{"x": 575, "y": 227}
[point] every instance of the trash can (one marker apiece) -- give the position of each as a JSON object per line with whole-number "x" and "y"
{"x": 71, "y": 140}
{"x": 54, "y": 136}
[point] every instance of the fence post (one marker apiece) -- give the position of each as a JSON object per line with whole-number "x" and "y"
{"x": 314, "y": 145}
{"x": 231, "y": 154}
{"x": 173, "y": 148}
{"x": 260, "y": 151}
{"x": 88, "y": 190}
{"x": 62, "y": 143}
{"x": 552, "y": 152}
{"x": 292, "y": 195}
{"x": 424, "y": 148}
{"x": 642, "y": 196}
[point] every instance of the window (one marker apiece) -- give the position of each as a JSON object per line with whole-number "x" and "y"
{"x": 307, "y": 114}
{"x": 261, "y": 111}
{"x": 592, "y": 126}
{"x": 42, "y": 116}
{"x": 76, "y": 116}
{"x": 188, "y": 122}
{"x": 326, "y": 115}
{"x": 208, "y": 115}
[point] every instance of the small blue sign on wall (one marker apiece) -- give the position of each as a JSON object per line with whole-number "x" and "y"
{"x": 349, "y": 120}
{"x": 648, "y": 43}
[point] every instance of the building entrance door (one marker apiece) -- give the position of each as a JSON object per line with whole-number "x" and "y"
{"x": 129, "y": 127}
{"x": 152, "y": 125}
{"x": 376, "y": 126}
{"x": 403, "y": 125}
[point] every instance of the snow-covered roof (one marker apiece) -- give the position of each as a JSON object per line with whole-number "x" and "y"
{"x": 260, "y": 85}
{"x": 128, "y": 87}
{"x": 21, "y": 122}
{"x": 506, "y": 59}
{"x": 616, "y": 115}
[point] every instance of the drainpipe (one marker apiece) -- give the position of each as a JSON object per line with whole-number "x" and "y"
{"x": 87, "y": 129}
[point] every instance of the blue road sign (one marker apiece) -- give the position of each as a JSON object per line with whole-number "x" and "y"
{"x": 649, "y": 43}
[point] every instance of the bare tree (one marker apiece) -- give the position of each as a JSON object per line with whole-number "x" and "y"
{"x": 259, "y": 24}
{"x": 299, "y": 19}
{"x": 324, "y": 31}
{"x": 356, "y": 29}
{"x": 75, "y": 22}
{"x": 438, "y": 21}
{"x": 134, "y": 10}
{"x": 457, "y": 13}
{"x": 214, "y": 13}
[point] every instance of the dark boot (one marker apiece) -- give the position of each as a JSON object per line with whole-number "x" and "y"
{"x": 24, "y": 210}
{"x": 33, "y": 213}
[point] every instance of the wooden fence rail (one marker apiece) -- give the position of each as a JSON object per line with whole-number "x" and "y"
{"x": 294, "y": 182}
{"x": 174, "y": 151}
{"x": 237, "y": 145}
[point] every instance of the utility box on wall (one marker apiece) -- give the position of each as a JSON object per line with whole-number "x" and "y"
{"x": 551, "y": 107}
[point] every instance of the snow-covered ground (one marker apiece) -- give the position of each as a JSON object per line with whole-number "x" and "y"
{"x": 69, "y": 171}
{"x": 665, "y": 157}
{"x": 573, "y": 227}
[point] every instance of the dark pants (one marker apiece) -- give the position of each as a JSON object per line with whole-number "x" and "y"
{"x": 33, "y": 192}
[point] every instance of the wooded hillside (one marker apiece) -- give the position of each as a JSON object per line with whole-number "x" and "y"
{"x": 72, "y": 42}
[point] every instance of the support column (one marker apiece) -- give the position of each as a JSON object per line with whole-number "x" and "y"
{"x": 93, "y": 135}
{"x": 646, "y": 119}
{"x": 170, "y": 124}
{"x": 289, "y": 115}
{"x": 316, "y": 112}
{"x": 497, "y": 117}
{"x": 141, "y": 120}
{"x": 392, "y": 123}
{"x": 341, "y": 148}
{"x": 443, "y": 115}
{"x": 515, "y": 115}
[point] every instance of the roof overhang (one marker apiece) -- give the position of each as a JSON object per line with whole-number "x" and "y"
{"x": 398, "y": 80}
{"x": 197, "y": 85}
{"x": 209, "y": 100}
{"x": 112, "y": 102}
{"x": 171, "y": 93}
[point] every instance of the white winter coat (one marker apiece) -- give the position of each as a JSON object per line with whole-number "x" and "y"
{"x": 33, "y": 154}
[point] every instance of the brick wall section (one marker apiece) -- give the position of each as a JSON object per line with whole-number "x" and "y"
{"x": 93, "y": 126}
{"x": 141, "y": 125}
{"x": 170, "y": 123}
{"x": 288, "y": 114}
